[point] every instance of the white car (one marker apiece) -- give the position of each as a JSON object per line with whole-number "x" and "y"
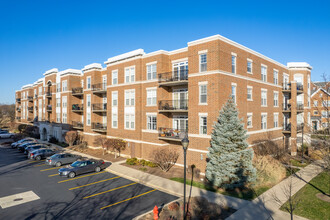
{"x": 6, "y": 134}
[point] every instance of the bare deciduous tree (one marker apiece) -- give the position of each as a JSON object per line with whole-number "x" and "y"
{"x": 71, "y": 137}
{"x": 165, "y": 158}
{"x": 7, "y": 114}
{"x": 103, "y": 142}
{"x": 117, "y": 145}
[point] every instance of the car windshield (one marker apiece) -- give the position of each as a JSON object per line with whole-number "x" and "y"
{"x": 55, "y": 156}
{"x": 79, "y": 164}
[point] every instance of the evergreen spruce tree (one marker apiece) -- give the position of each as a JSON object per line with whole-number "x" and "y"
{"x": 230, "y": 159}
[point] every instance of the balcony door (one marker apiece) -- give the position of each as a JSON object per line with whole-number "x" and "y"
{"x": 180, "y": 122}
{"x": 180, "y": 97}
{"x": 180, "y": 71}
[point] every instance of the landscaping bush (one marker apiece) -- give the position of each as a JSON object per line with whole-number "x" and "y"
{"x": 132, "y": 161}
{"x": 173, "y": 206}
{"x": 21, "y": 127}
{"x": 53, "y": 140}
{"x": 18, "y": 137}
{"x": 71, "y": 137}
{"x": 165, "y": 158}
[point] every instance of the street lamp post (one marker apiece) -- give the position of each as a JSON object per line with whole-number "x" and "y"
{"x": 302, "y": 144}
{"x": 185, "y": 143}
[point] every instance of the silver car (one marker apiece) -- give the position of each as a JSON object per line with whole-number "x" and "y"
{"x": 60, "y": 159}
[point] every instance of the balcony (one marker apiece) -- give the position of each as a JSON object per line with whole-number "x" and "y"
{"x": 18, "y": 118}
{"x": 35, "y": 96}
{"x": 78, "y": 91}
{"x": 78, "y": 125}
{"x": 99, "y": 88}
{"x": 36, "y": 108}
{"x": 18, "y": 100}
{"x": 286, "y": 128}
{"x": 30, "y": 119}
{"x": 99, "y": 127}
{"x": 173, "y": 105}
{"x": 18, "y": 109}
{"x": 30, "y": 98}
{"x": 286, "y": 108}
{"x": 30, "y": 109}
{"x": 286, "y": 88}
{"x": 171, "y": 134}
{"x": 300, "y": 107}
{"x": 99, "y": 107}
{"x": 49, "y": 94}
{"x": 300, "y": 88}
{"x": 78, "y": 108}
{"x": 173, "y": 78}
{"x": 49, "y": 108}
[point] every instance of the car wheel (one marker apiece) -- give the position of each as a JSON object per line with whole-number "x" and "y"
{"x": 58, "y": 164}
{"x": 97, "y": 169}
{"x": 71, "y": 175}
{"x": 38, "y": 158}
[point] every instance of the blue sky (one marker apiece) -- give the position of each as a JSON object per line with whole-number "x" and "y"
{"x": 36, "y": 36}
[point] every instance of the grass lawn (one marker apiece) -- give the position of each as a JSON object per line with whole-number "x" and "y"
{"x": 310, "y": 206}
{"x": 247, "y": 194}
{"x": 297, "y": 163}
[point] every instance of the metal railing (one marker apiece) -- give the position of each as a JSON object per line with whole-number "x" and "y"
{"x": 30, "y": 98}
{"x": 287, "y": 127}
{"x": 36, "y": 107}
{"x": 18, "y": 118}
{"x": 49, "y": 108}
{"x": 77, "y": 124}
{"x": 99, "y": 87}
{"x": 173, "y": 105}
{"x": 300, "y": 106}
{"x": 18, "y": 109}
{"x": 30, "y": 108}
{"x": 286, "y": 86}
{"x": 172, "y": 133}
{"x": 48, "y": 93}
{"x": 29, "y": 119}
{"x": 18, "y": 100}
{"x": 35, "y": 96}
{"x": 99, "y": 126}
{"x": 77, "y": 107}
{"x": 300, "y": 87}
{"x": 77, "y": 91}
{"x": 173, "y": 76}
{"x": 286, "y": 107}
{"x": 99, "y": 107}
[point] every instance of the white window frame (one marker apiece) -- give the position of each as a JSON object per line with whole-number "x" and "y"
{"x": 315, "y": 103}
{"x": 130, "y": 118}
{"x": 151, "y": 69}
{"x": 264, "y": 74}
{"x": 88, "y": 119}
{"x": 114, "y": 116}
{"x": 202, "y": 64}
{"x": 89, "y": 82}
{"x": 263, "y": 115}
{"x": 200, "y": 86}
{"x": 151, "y": 122}
{"x": 233, "y": 63}
{"x": 114, "y": 77}
{"x": 130, "y": 74}
{"x": 247, "y": 90}
{"x": 276, "y": 120}
{"x": 64, "y": 85}
{"x": 275, "y": 76}
{"x": 130, "y": 96}
{"x": 234, "y": 85}
{"x": 151, "y": 96}
{"x": 276, "y": 101}
{"x": 247, "y": 66}
{"x": 263, "y": 103}
{"x": 249, "y": 116}
{"x": 201, "y": 117}
{"x": 114, "y": 96}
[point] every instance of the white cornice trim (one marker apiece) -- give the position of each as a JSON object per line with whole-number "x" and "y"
{"x": 93, "y": 66}
{"x": 125, "y": 56}
{"x": 226, "y": 40}
{"x": 51, "y": 71}
{"x": 182, "y": 50}
{"x": 138, "y": 141}
{"x": 299, "y": 65}
{"x": 134, "y": 83}
{"x": 73, "y": 72}
{"x": 150, "y": 131}
{"x": 233, "y": 75}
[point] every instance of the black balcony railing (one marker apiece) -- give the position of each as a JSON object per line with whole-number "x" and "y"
{"x": 18, "y": 100}
{"x": 173, "y": 105}
{"x": 99, "y": 126}
{"x": 77, "y": 124}
{"x": 48, "y": 93}
{"x": 99, "y": 107}
{"x": 286, "y": 107}
{"x": 286, "y": 86}
{"x": 29, "y": 119}
{"x": 36, "y": 108}
{"x": 77, "y": 107}
{"x": 30, "y": 109}
{"x": 77, "y": 91}
{"x": 287, "y": 127}
{"x": 49, "y": 108}
{"x": 299, "y": 127}
{"x": 35, "y": 96}
{"x": 172, "y": 133}
{"x": 300, "y": 87}
{"x": 18, "y": 109}
{"x": 30, "y": 98}
{"x": 173, "y": 76}
{"x": 300, "y": 107}
{"x": 99, "y": 87}
{"x": 18, "y": 118}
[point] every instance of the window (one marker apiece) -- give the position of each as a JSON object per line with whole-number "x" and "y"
{"x": 249, "y": 93}
{"x": 129, "y": 97}
{"x": 326, "y": 103}
{"x": 275, "y": 99}
{"x": 64, "y": 86}
{"x": 275, "y": 120}
{"x": 58, "y": 102}
{"x": 203, "y": 93}
{"x": 88, "y": 119}
{"x": 249, "y": 66}
{"x": 88, "y": 82}
{"x": 64, "y": 119}
{"x": 264, "y": 73}
{"x": 35, "y": 91}
{"x": 64, "y": 101}
{"x": 88, "y": 97}
{"x": 40, "y": 90}
{"x": 114, "y": 98}
{"x": 325, "y": 114}
{"x": 203, "y": 62}
{"x": 203, "y": 124}
{"x": 151, "y": 97}
{"x": 114, "y": 77}
{"x": 152, "y": 71}
{"x": 249, "y": 120}
{"x": 129, "y": 121}
{"x": 233, "y": 63}
{"x": 58, "y": 87}
{"x": 316, "y": 112}
{"x": 233, "y": 92}
{"x": 263, "y": 121}
{"x": 114, "y": 120}
{"x": 275, "y": 77}
{"x": 264, "y": 98}
{"x": 151, "y": 122}
{"x": 315, "y": 103}
{"x": 58, "y": 117}
{"x": 129, "y": 74}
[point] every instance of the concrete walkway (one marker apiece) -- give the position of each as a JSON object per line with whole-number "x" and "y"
{"x": 263, "y": 207}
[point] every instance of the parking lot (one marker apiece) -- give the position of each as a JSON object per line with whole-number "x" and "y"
{"x": 88, "y": 196}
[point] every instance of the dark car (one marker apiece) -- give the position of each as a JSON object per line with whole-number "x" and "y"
{"x": 29, "y": 149}
{"x": 82, "y": 166}
{"x": 41, "y": 154}
{"x": 60, "y": 159}
{"x": 22, "y": 147}
{"x": 15, "y": 144}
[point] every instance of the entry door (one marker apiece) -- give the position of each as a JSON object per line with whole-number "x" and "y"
{"x": 180, "y": 71}
{"x": 181, "y": 123}
{"x": 180, "y": 98}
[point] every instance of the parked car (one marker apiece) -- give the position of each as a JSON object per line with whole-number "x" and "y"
{"x": 5, "y": 134}
{"x": 15, "y": 144}
{"x": 29, "y": 149}
{"x": 82, "y": 166}
{"x": 60, "y": 159}
{"x": 21, "y": 147}
{"x": 41, "y": 154}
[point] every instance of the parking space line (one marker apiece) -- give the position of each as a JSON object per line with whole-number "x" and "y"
{"x": 51, "y": 169}
{"x": 56, "y": 174}
{"x": 40, "y": 165}
{"x": 81, "y": 177}
{"x": 95, "y": 182}
{"x": 128, "y": 199}
{"x": 35, "y": 161}
{"x": 120, "y": 187}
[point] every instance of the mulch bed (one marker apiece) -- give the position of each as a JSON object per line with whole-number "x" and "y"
{"x": 98, "y": 153}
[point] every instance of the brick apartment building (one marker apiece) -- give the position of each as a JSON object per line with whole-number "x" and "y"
{"x": 152, "y": 99}
{"x": 320, "y": 112}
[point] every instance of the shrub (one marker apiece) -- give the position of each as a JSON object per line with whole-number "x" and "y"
{"x": 132, "y": 161}
{"x": 165, "y": 158}
{"x": 21, "y": 127}
{"x": 18, "y": 137}
{"x": 151, "y": 164}
{"x": 71, "y": 137}
{"x": 53, "y": 140}
{"x": 173, "y": 206}
{"x": 117, "y": 145}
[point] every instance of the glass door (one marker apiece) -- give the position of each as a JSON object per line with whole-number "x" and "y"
{"x": 180, "y": 123}
{"x": 180, "y": 98}
{"x": 180, "y": 71}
